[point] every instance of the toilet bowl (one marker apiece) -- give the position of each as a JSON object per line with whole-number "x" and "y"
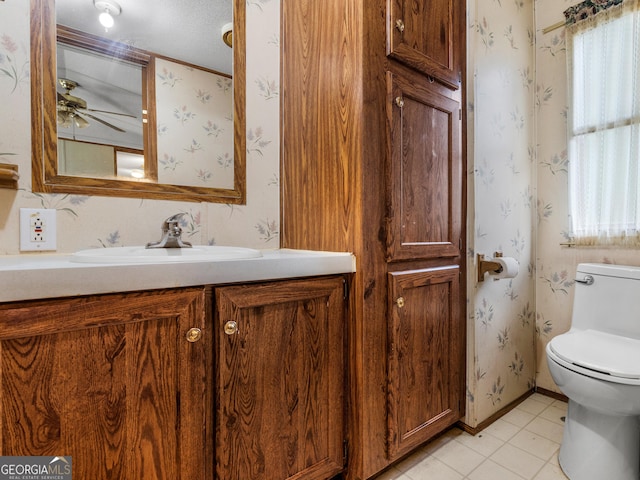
{"x": 596, "y": 364}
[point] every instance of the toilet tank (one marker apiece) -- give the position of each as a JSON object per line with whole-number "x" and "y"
{"x": 612, "y": 303}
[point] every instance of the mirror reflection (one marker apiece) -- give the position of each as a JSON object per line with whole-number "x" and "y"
{"x": 194, "y": 117}
{"x": 144, "y": 106}
{"x": 189, "y": 30}
{"x": 99, "y": 115}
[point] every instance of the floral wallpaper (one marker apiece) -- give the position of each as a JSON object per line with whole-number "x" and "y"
{"x": 93, "y": 221}
{"x": 501, "y": 202}
{"x": 517, "y": 176}
{"x": 195, "y": 126}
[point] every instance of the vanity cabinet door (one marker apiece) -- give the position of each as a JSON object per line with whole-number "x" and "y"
{"x": 111, "y": 381}
{"x": 279, "y": 390}
{"x": 426, "y": 369}
{"x": 423, "y": 35}
{"x": 424, "y": 218}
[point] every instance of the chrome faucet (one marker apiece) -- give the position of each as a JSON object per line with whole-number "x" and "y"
{"x": 171, "y": 234}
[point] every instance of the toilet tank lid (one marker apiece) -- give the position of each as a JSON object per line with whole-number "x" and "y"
{"x": 624, "y": 271}
{"x": 600, "y": 351}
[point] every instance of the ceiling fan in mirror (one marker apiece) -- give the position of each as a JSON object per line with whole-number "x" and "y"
{"x": 70, "y": 108}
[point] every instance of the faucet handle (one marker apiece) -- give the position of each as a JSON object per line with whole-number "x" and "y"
{"x": 172, "y": 220}
{"x": 172, "y": 228}
{"x": 171, "y": 234}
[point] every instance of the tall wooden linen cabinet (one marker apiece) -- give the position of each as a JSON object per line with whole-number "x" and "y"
{"x": 373, "y": 163}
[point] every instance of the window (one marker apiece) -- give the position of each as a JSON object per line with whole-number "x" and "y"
{"x": 603, "y": 54}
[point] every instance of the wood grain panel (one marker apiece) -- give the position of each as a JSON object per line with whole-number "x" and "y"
{"x": 425, "y": 342}
{"x": 321, "y": 95}
{"x": 427, "y": 39}
{"x": 425, "y": 172}
{"x": 111, "y": 381}
{"x": 280, "y": 381}
{"x": 96, "y": 394}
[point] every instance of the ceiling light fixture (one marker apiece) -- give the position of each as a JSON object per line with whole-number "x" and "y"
{"x": 109, "y": 9}
{"x": 227, "y": 34}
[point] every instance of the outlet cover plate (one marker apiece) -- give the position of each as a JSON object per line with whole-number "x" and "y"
{"x": 37, "y": 229}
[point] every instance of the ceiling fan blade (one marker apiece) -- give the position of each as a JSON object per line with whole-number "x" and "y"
{"x": 112, "y": 113}
{"x": 105, "y": 123}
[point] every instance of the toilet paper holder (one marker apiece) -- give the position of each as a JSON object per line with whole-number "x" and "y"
{"x": 485, "y": 266}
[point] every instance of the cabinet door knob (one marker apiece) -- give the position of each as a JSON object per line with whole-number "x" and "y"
{"x": 400, "y": 25}
{"x": 400, "y": 102}
{"x": 231, "y": 327}
{"x": 194, "y": 334}
{"x": 400, "y": 302}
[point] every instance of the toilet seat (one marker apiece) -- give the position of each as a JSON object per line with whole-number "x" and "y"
{"x": 608, "y": 356}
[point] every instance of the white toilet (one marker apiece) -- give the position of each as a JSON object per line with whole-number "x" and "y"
{"x": 597, "y": 365}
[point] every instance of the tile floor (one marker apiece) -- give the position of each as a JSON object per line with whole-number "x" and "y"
{"x": 523, "y": 444}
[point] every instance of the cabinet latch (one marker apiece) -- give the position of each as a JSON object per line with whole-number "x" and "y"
{"x": 345, "y": 452}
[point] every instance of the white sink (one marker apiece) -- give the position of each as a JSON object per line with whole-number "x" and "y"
{"x": 198, "y": 253}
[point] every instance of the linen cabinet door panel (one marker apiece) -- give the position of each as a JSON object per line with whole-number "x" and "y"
{"x": 423, "y": 35}
{"x": 279, "y": 406}
{"x": 425, "y": 389}
{"x": 424, "y": 217}
{"x": 110, "y": 381}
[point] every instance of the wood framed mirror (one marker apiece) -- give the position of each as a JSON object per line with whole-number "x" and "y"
{"x": 49, "y": 176}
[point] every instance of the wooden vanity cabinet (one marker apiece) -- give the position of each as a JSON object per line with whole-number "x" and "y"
{"x": 168, "y": 385}
{"x": 279, "y": 402}
{"x": 118, "y": 382}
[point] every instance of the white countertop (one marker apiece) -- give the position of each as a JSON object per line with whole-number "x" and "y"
{"x": 28, "y": 277}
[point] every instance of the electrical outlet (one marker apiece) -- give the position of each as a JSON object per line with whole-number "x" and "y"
{"x": 37, "y": 229}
